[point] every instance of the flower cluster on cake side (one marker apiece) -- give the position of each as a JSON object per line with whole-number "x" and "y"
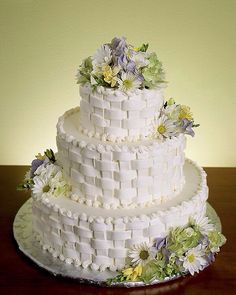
{"x": 173, "y": 120}
{"x": 184, "y": 250}
{"x": 45, "y": 177}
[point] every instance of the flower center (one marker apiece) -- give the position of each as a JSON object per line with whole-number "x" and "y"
{"x": 127, "y": 83}
{"x": 144, "y": 254}
{"x": 191, "y": 258}
{"x": 161, "y": 129}
{"x": 46, "y": 188}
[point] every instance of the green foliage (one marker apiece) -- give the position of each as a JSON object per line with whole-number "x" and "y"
{"x": 216, "y": 240}
{"x": 144, "y": 47}
{"x": 26, "y": 185}
{"x": 100, "y": 81}
{"x": 181, "y": 239}
{"x": 50, "y": 155}
{"x": 153, "y": 72}
{"x": 85, "y": 70}
{"x": 119, "y": 278}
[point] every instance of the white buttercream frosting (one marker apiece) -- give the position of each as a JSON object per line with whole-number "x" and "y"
{"x": 114, "y": 115}
{"x": 99, "y": 238}
{"x": 115, "y": 175}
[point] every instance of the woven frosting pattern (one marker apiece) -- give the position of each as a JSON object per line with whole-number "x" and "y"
{"x": 117, "y": 114}
{"x": 109, "y": 177}
{"x": 100, "y": 242}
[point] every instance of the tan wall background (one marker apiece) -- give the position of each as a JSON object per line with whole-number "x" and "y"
{"x": 42, "y": 42}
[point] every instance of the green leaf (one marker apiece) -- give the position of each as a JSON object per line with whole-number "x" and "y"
{"x": 26, "y": 185}
{"x": 50, "y": 155}
{"x": 144, "y": 47}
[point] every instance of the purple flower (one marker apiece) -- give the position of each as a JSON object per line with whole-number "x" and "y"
{"x": 34, "y": 166}
{"x": 210, "y": 257}
{"x": 131, "y": 67}
{"x": 187, "y": 127}
{"x": 159, "y": 243}
{"x": 166, "y": 253}
{"x": 118, "y": 46}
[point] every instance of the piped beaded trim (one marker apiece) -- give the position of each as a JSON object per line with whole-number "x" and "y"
{"x": 116, "y": 145}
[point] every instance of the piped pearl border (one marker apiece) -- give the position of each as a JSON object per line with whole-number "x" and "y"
{"x": 133, "y": 145}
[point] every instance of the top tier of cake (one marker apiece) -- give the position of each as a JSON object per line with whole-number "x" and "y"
{"x": 121, "y": 90}
{"x": 114, "y": 115}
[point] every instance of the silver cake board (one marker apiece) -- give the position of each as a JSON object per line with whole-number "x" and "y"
{"x": 22, "y": 230}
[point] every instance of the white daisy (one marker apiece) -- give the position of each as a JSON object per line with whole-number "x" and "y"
{"x": 128, "y": 82}
{"x": 170, "y": 112}
{"x": 52, "y": 171}
{"x": 204, "y": 224}
{"x": 101, "y": 57}
{"x": 163, "y": 127}
{"x": 141, "y": 254}
{"x": 193, "y": 261}
{"x": 140, "y": 59}
{"x": 41, "y": 185}
{"x": 41, "y": 170}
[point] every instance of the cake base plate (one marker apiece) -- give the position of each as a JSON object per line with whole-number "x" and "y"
{"x": 22, "y": 230}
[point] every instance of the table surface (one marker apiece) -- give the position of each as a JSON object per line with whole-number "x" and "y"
{"x": 19, "y": 275}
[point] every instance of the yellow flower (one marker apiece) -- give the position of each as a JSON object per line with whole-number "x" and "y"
{"x": 110, "y": 75}
{"x": 185, "y": 113}
{"x": 132, "y": 273}
{"x": 127, "y": 272}
{"x": 40, "y": 157}
{"x": 138, "y": 270}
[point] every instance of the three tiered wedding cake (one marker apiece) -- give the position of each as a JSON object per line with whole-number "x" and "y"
{"x": 119, "y": 194}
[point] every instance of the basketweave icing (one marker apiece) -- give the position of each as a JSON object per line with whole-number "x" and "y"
{"x": 119, "y": 175}
{"x": 113, "y": 114}
{"x": 91, "y": 237}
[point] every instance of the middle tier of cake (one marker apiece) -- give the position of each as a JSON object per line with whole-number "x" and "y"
{"x": 116, "y": 175}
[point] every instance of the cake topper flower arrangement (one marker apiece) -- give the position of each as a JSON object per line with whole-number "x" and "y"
{"x": 120, "y": 65}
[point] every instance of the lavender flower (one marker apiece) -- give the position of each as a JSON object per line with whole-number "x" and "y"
{"x": 160, "y": 242}
{"x": 34, "y": 166}
{"x": 187, "y": 127}
{"x": 131, "y": 67}
{"x": 118, "y": 46}
{"x": 210, "y": 257}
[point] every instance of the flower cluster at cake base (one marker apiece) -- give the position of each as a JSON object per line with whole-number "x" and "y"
{"x": 45, "y": 177}
{"x": 173, "y": 120}
{"x": 184, "y": 250}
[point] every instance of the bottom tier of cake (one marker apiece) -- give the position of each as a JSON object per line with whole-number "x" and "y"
{"x": 101, "y": 238}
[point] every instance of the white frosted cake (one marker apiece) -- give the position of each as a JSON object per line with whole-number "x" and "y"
{"x": 119, "y": 194}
